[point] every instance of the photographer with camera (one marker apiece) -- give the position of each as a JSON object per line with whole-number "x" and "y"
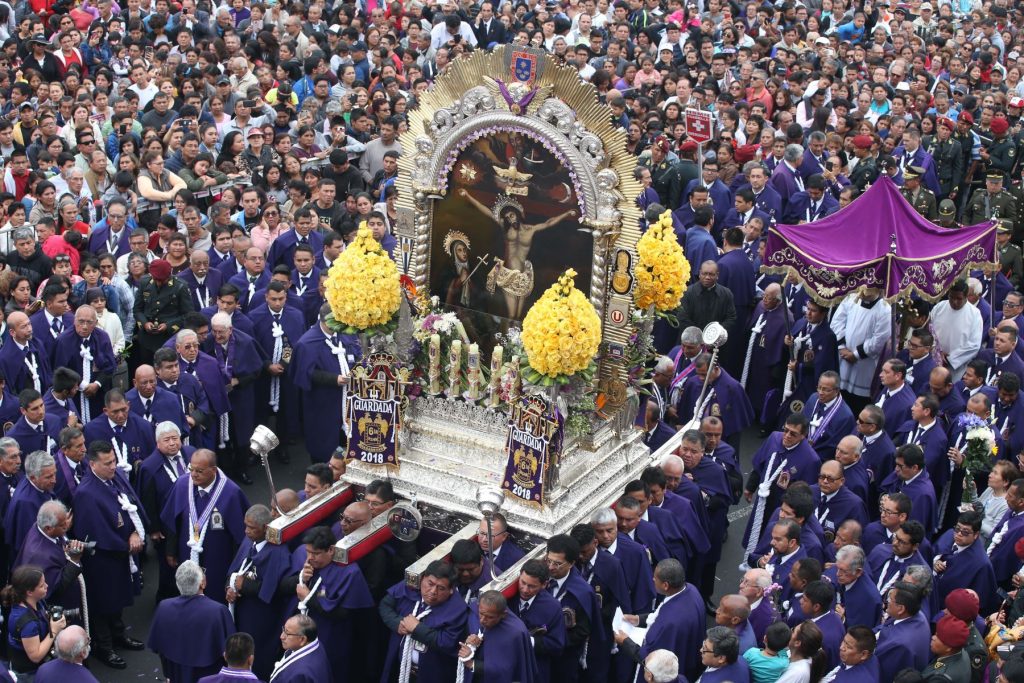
{"x": 46, "y": 546}
{"x": 33, "y": 626}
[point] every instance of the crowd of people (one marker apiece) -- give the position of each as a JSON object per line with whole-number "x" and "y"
{"x": 179, "y": 178}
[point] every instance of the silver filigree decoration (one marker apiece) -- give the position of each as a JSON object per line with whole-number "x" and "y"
{"x": 475, "y": 101}
{"x": 558, "y": 114}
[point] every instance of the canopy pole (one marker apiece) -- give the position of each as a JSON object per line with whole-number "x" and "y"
{"x": 992, "y": 299}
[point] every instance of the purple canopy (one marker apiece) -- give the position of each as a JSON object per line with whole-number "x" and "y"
{"x": 879, "y": 241}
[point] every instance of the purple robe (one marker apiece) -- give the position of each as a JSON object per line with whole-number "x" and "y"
{"x": 206, "y": 371}
{"x": 54, "y": 406}
{"x": 241, "y": 280}
{"x": 768, "y": 360}
{"x": 321, "y": 401}
{"x": 858, "y": 480}
{"x": 577, "y": 595}
{"x": 1004, "y": 559}
{"x": 204, "y": 294}
{"x": 44, "y": 333}
{"x": 282, "y": 249}
{"x": 729, "y": 403}
{"x": 903, "y": 645}
{"x": 153, "y": 484}
{"x": 922, "y": 497}
{"x": 737, "y": 672}
{"x": 239, "y": 322}
{"x": 313, "y": 667}
{"x": 310, "y": 295}
{"x": 16, "y": 371}
{"x": 243, "y": 360}
{"x": 258, "y": 609}
{"x": 801, "y": 462}
{"x": 843, "y": 505}
{"x": 811, "y": 539}
{"x": 543, "y": 619}
{"x": 862, "y": 601}
{"x": 67, "y": 354}
{"x": 1010, "y": 422}
{"x": 895, "y": 407}
{"x": 639, "y": 575}
{"x": 48, "y": 554}
{"x": 969, "y": 567}
{"x": 31, "y": 440}
{"x": 833, "y": 631}
{"x": 920, "y": 157}
{"x": 190, "y": 394}
{"x": 935, "y": 444}
{"x": 885, "y": 568}
{"x": 207, "y": 624}
{"x": 22, "y": 511}
{"x": 293, "y": 326}
{"x": 679, "y": 628}
{"x": 164, "y": 406}
{"x": 229, "y": 675}
{"x": 59, "y": 671}
{"x": 813, "y": 357}
{"x": 99, "y": 518}
{"x": 220, "y": 545}
{"x": 446, "y": 622}
{"x": 761, "y": 617}
{"x": 865, "y": 672}
{"x": 137, "y": 438}
{"x": 506, "y": 653}
{"x": 829, "y": 424}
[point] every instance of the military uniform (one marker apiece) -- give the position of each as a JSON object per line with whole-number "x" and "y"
{"x": 864, "y": 174}
{"x": 666, "y": 181}
{"x": 952, "y": 669}
{"x": 1010, "y": 262}
{"x": 924, "y": 202}
{"x": 984, "y": 207}
{"x": 949, "y": 163}
{"x": 1002, "y": 155}
{"x": 167, "y": 304}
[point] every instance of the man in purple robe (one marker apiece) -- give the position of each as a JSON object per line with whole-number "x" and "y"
{"x": 725, "y": 399}
{"x": 53, "y": 318}
{"x": 203, "y": 520}
{"x": 849, "y": 453}
{"x": 834, "y": 501}
{"x": 829, "y": 417}
{"x": 239, "y": 654}
{"x": 720, "y": 656}
{"x": 305, "y": 659}
{"x": 816, "y": 604}
{"x": 635, "y": 561}
{"x": 227, "y": 303}
{"x": 255, "y": 574}
{"x": 34, "y": 490}
{"x": 203, "y": 368}
{"x": 35, "y": 430}
{"x": 240, "y": 360}
{"x": 629, "y": 512}
{"x": 332, "y": 594}
{"x": 676, "y": 625}
{"x": 254, "y": 276}
{"x": 203, "y": 282}
{"x": 426, "y": 626}
{"x": 904, "y": 637}
{"x": 918, "y": 357}
{"x": 283, "y": 247}
{"x": 305, "y": 279}
{"x": 157, "y": 475}
{"x": 108, "y": 513}
{"x": 10, "y": 410}
{"x": 506, "y": 553}
{"x": 498, "y": 648}
{"x": 131, "y": 436}
{"x": 1010, "y": 411}
{"x": 925, "y": 431}
{"x": 859, "y": 665}
{"x": 277, "y": 327}
{"x": 71, "y": 464}
{"x": 603, "y": 571}
{"x": 23, "y": 360}
{"x": 320, "y": 368}
{"x": 46, "y": 546}
{"x": 86, "y": 349}
{"x": 189, "y": 632}
{"x": 72, "y": 649}
{"x": 784, "y": 457}
{"x": 856, "y": 594}
{"x": 951, "y": 403}
{"x": 960, "y": 560}
{"x": 584, "y": 629}
{"x": 187, "y": 391}
{"x": 681, "y": 528}
{"x": 888, "y": 563}
{"x": 797, "y": 505}
{"x": 911, "y": 478}
{"x": 974, "y": 381}
{"x": 816, "y": 350}
{"x": 153, "y": 403}
{"x": 542, "y": 614}
{"x": 765, "y": 364}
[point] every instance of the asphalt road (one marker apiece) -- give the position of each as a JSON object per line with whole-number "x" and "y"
{"x": 145, "y": 666}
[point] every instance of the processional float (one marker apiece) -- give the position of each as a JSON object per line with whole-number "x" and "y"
{"x": 489, "y": 381}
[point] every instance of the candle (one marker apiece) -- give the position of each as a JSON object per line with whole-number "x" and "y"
{"x": 493, "y": 389}
{"x": 454, "y": 368}
{"x": 513, "y": 376}
{"x": 462, "y": 331}
{"x": 473, "y": 372}
{"x": 434, "y": 370}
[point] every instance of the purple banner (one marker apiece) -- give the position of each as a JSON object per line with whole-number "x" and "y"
{"x": 877, "y": 241}
{"x": 533, "y": 444}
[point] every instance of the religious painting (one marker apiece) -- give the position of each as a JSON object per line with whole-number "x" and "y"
{"x": 508, "y": 227}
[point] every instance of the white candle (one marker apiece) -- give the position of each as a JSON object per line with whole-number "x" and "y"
{"x": 434, "y": 371}
{"x": 513, "y": 374}
{"x": 494, "y": 388}
{"x": 473, "y": 372}
{"x": 454, "y": 368}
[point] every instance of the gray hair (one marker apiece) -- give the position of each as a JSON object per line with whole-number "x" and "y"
{"x": 259, "y": 514}
{"x": 603, "y": 516}
{"x": 853, "y": 554}
{"x": 66, "y": 436}
{"x": 221, "y": 319}
{"x": 724, "y": 642}
{"x": 793, "y": 153}
{"x": 763, "y": 580}
{"x": 975, "y": 286}
{"x": 72, "y": 644}
{"x": 663, "y": 665}
{"x": 189, "y": 578}
{"x": 36, "y": 461}
{"x": 671, "y": 459}
{"x": 920, "y": 576}
{"x": 49, "y": 513}
{"x": 7, "y": 443}
{"x": 664, "y": 364}
{"x": 166, "y": 427}
{"x": 691, "y": 335}
{"x": 24, "y": 233}
{"x": 751, "y": 166}
{"x": 817, "y": 136}
{"x": 185, "y": 335}
{"x": 671, "y": 572}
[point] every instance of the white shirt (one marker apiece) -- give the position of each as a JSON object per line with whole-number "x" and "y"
{"x": 799, "y": 671}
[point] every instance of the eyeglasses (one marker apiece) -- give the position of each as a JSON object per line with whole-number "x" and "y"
{"x": 963, "y": 531}
{"x": 886, "y": 513}
{"x": 865, "y": 422}
{"x": 86, "y": 142}
{"x": 284, "y": 632}
{"x": 556, "y": 565}
{"x": 705, "y": 651}
{"x": 271, "y": 213}
{"x": 825, "y": 477}
{"x": 792, "y": 432}
{"x": 350, "y": 520}
{"x": 198, "y": 470}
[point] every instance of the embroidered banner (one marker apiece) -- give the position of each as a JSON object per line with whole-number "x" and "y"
{"x": 533, "y": 445}
{"x": 374, "y": 409}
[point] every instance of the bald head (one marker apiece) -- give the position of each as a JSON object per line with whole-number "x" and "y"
{"x": 287, "y": 500}
{"x": 356, "y": 515}
{"x": 145, "y": 381}
{"x": 21, "y": 328}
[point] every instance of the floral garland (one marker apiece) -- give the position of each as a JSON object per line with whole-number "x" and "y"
{"x": 363, "y": 287}
{"x": 561, "y": 334}
{"x": 662, "y": 270}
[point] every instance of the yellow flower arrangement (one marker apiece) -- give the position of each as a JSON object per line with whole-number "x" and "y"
{"x": 662, "y": 270}
{"x": 363, "y": 284}
{"x": 561, "y": 331}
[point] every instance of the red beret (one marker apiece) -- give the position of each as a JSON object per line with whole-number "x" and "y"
{"x": 160, "y": 269}
{"x": 966, "y": 117}
{"x": 745, "y": 153}
{"x": 952, "y": 631}
{"x": 661, "y": 142}
{"x": 947, "y": 122}
{"x": 999, "y": 125}
{"x": 688, "y": 146}
{"x": 863, "y": 141}
{"x": 963, "y": 604}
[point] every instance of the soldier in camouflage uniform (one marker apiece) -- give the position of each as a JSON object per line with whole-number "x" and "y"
{"x": 919, "y": 197}
{"x": 947, "y": 214}
{"x": 951, "y": 664}
{"x": 948, "y": 156}
{"x": 991, "y": 202}
{"x": 1010, "y": 261}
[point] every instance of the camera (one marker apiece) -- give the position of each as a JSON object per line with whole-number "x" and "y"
{"x": 56, "y": 612}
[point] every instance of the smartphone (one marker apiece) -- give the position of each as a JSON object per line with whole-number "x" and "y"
{"x": 249, "y": 103}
